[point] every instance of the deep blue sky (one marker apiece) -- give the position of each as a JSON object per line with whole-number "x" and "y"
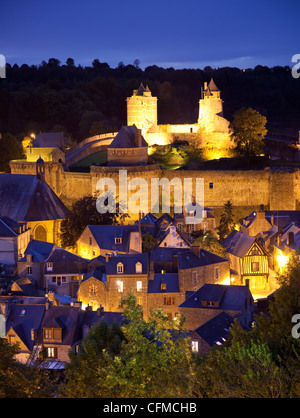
{"x": 179, "y": 34}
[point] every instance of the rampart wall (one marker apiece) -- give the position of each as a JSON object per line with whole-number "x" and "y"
{"x": 277, "y": 190}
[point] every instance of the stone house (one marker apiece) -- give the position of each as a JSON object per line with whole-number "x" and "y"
{"x": 208, "y": 222}
{"x": 212, "y": 299}
{"x": 212, "y": 332}
{"x": 31, "y": 265}
{"x": 63, "y": 272}
{"x": 22, "y": 322}
{"x": 198, "y": 267}
{"x": 99, "y": 240}
{"x": 164, "y": 292}
{"x": 93, "y": 291}
{"x": 14, "y": 237}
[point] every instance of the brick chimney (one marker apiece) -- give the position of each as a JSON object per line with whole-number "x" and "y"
{"x": 290, "y": 238}
{"x": 196, "y": 249}
{"x": 138, "y": 137}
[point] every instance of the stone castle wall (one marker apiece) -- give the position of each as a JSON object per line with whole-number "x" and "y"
{"x": 275, "y": 190}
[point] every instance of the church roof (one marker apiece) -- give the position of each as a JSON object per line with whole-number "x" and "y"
{"x": 25, "y": 198}
{"x": 126, "y": 138}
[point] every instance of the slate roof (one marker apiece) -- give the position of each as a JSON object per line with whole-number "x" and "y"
{"x": 188, "y": 259}
{"x": 23, "y": 318}
{"x": 212, "y": 86}
{"x": 66, "y": 318}
{"x": 129, "y": 261}
{"x": 97, "y": 273}
{"x": 148, "y": 219}
{"x": 65, "y": 262}
{"x": 105, "y": 236}
{"x": 49, "y": 139}
{"x": 25, "y": 198}
{"x": 237, "y": 243}
{"x": 126, "y": 138}
{"x": 6, "y": 226}
{"x": 170, "y": 279}
{"x": 165, "y": 254}
{"x": 39, "y": 251}
{"x": 23, "y": 286}
{"x": 216, "y": 329}
{"x": 229, "y": 297}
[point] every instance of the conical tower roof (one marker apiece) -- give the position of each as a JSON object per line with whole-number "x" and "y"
{"x": 212, "y": 86}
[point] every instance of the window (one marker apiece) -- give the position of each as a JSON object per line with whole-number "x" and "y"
{"x": 195, "y": 346}
{"x": 139, "y": 300}
{"x": 29, "y": 270}
{"x": 64, "y": 279}
{"x": 139, "y": 285}
{"x": 49, "y": 266}
{"x": 120, "y": 286}
{"x": 91, "y": 240}
{"x": 47, "y": 333}
{"x": 210, "y": 303}
{"x": 51, "y": 352}
{"x": 165, "y": 244}
{"x": 28, "y": 258}
{"x": 211, "y": 185}
{"x": 169, "y": 300}
{"x": 118, "y": 240}
{"x": 255, "y": 266}
{"x": 216, "y": 273}
{"x": 163, "y": 286}
{"x": 138, "y": 267}
{"x": 179, "y": 227}
{"x": 93, "y": 290}
{"x": 195, "y": 277}
{"x": 11, "y": 339}
{"x": 120, "y": 268}
{"x": 53, "y": 279}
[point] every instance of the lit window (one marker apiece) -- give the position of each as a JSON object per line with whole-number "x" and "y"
{"x": 195, "y": 346}
{"x": 93, "y": 290}
{"x": 120, "y": 286}
{"x": 138, "y": 267}
{"x": 255, "y": 266}
{"x": 118, "y": 240}
{"x": 139, "y": 285}
{"x": 51, "y": 352}
{"x": 163, "y": 286}
{"x": 120, "y": 268}
{"x": 48, "y": 333}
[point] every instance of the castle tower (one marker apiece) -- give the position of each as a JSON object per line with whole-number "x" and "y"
{"x": 211, "y": 109}
{"x": 142, "y": 109}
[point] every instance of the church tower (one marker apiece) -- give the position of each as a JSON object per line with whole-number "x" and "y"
{"x": 142, "y": 109}
{"x": 211, "y": 109}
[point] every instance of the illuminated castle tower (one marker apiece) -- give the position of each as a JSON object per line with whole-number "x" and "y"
{"x": 142, "y": 109}
{"x": 211, "y": 109}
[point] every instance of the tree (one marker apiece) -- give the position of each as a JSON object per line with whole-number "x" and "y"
{"x": 155, "y": 358}
{"x": 84, "y": 212}
{"x": 18, "y": 380}
{"x": 208, "y": 242}
{"x": 147, "y": 359}
{"x": 10, "y": 150}
{"x": 86, "y": 373}
{"x": 248, "y": 131}
{"x": 227, "y": 223}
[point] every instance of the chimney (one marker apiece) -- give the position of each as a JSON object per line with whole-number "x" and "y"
{"x": 205, "y": 85}
{"x": 106, "y": 257}
{"x": 4, "y": 308}
{"x": 195, "y": 249}
{"x": 290, "y": 238}
{"x": 47, "y": 305}
{"x": 138, "y": 137}
{"x": 100, "y": 310}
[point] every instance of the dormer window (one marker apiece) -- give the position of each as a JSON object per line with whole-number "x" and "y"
{"x": 138, "y": 267}
{"x": 120, "y": 268}
{"x": 28, "y": 258}
{"x": 118, "y": 240}
{"x": 163, "y": 286}
{"x": 49, "y": 266}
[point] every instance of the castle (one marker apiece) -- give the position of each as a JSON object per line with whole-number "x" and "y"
{"x": 276, "y": 190}
{"x": 211, "y": 132}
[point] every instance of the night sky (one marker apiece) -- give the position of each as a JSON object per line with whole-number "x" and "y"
{"x": 179, "y": 34}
